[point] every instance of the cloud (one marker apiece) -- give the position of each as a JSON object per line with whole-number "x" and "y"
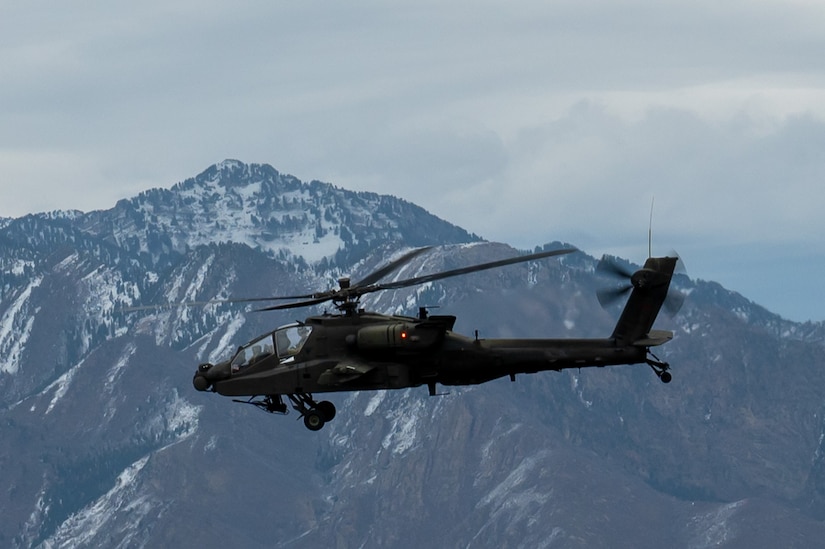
{"x": 728, "y": 180}
{"x": 523, "y": 123}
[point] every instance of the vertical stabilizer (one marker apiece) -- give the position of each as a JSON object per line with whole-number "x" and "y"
{"x": 650, "y": 289}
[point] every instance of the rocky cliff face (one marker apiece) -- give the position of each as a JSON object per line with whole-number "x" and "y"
{"x": 105, "y": 443}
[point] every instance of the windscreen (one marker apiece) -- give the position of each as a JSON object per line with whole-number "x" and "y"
{"x": 290, "y": 340}
{"x": 253, "y": 352}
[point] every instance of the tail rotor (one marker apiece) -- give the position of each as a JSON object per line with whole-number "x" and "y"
{"x": 621, "y": 279}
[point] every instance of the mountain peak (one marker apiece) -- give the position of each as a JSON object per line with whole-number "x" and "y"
{"x": 255, "y": 205}
{"x": 234, "y": 173}
{"x": 230, "y": 164}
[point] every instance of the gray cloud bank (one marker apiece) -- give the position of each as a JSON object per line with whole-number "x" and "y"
{"x": 522, "y": 122}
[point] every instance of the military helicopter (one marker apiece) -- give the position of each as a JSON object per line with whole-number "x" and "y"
{"x": 355, "y": 350}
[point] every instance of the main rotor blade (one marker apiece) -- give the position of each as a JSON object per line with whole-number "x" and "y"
{"x": 295, "y": 305}
{"x": 313, "y": 298}
{"x": 184, "y": 304}
{"x": 465, "y": 270}
{"x": 366, "y": 285}
{"x": 320, "y": 297}
{"x": 375, "y": 276}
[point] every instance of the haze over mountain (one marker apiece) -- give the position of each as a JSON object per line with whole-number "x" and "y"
{"x": 106, "y": 443}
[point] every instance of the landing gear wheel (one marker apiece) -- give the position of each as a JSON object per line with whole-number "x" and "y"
{"x": 327, "y": 410}
{"x": 659, "y": 368}
{"x": 314, "y": 420}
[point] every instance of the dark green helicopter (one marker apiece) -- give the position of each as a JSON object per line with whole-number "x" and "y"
{"x": 356, "y": 350}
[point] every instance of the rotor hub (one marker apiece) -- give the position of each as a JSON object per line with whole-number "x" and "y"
{"x": 640, "y": 279}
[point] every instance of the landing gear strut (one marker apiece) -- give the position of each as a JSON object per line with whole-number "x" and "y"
{"x": 315, "y": 414}
{"x": 273, "y": 404}
{"x": 659, "y": 368}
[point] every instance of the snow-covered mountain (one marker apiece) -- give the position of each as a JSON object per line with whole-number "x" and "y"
{"x": 105, "y": 443}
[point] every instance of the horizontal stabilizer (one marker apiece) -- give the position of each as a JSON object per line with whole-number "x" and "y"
{"x": 654, "y": 338}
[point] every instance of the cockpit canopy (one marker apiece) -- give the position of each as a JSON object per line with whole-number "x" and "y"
{"x": 287, "y": 341}
{"x": 290, "y": 339}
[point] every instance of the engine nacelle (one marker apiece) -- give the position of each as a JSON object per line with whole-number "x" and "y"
{"x": 386, "y": 336}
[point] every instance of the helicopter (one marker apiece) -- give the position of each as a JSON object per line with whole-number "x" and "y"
{"x": 356, "y": 350}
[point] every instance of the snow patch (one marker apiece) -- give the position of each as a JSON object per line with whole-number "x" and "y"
{"x": 243, "y": 214}
{"x": 81, "y": 528}
{"x": 226, "y": 341}
{"x": 18, "y": 268}
{"x": 60, "y": 386}
{"x": 374, "y": 402}
{"x": 41, "y": 509}
{"x": 818, "y": 451}
{"x": 742, "y": 314}
{"x": 69, "y": 261}
{"x": 516, "y": 498}
{"x": 15, "y": 329}
{"x": 402, "y": 434}
{"x": 177, "y": 418}
{"x": 579, "y": 390}
{"x": 497, "y": 436}
{"x": 508, "y": 489}
{"x": 403, "y": 431}
{"x": 714, "y": 529}
{"x": 175, "y": 295}
{"x": 211, "y": 445}
{"x": 117, "y": 369}
{"x": 182, "y": 417}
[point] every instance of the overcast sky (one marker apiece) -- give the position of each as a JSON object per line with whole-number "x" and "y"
{"x": 524, "y": 122}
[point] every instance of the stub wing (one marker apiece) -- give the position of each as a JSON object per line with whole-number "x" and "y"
{"x": 344, "y": 372}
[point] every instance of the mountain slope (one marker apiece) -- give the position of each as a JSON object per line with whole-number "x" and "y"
{"x": 107, "y": 444}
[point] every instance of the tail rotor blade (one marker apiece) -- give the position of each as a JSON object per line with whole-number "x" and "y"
{"x": 609, "y": 296}
{"x": 675, "y": 296}
{"x": 609, "y": 267}
{"x": 674, "y": 301}
{"x": 680, "y": 264}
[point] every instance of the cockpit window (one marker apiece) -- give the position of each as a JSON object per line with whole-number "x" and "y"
{"x": 253, "y": 352}
{"x": 290, "y": 339}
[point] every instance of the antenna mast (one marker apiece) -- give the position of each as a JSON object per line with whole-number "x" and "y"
{"x": 650, "y": 230}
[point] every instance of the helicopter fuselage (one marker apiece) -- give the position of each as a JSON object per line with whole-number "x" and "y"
{"x": 372, "y": 351}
